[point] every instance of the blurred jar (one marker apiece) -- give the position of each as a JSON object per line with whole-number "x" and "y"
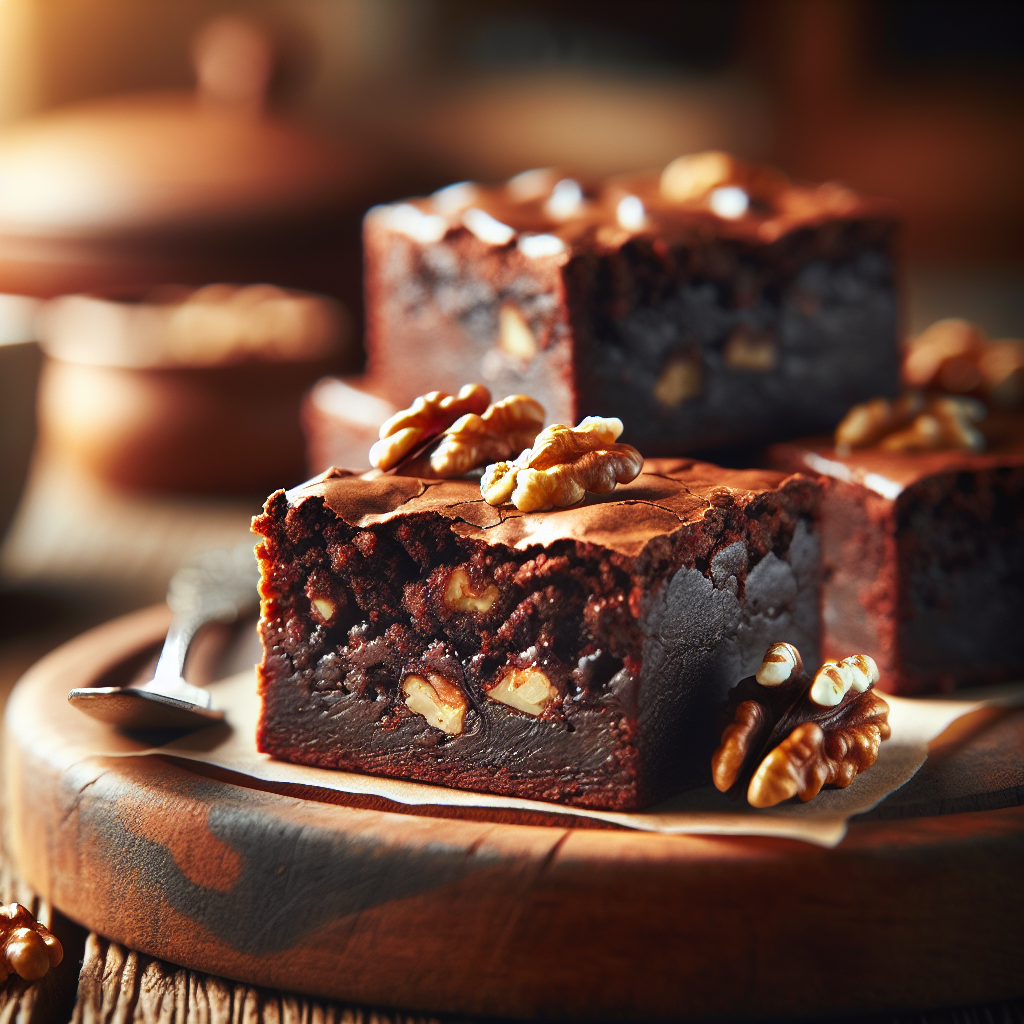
{"x": 19, "y": 371}
{"x": 126, "y": 193}
{"x": 186, "y": 391}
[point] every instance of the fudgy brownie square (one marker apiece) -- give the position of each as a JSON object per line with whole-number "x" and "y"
{"x": 576, "y": 655}
{"x": 735, "y": 307}
{"x": 923, "y": 557}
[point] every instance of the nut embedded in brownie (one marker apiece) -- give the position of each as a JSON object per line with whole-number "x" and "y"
{"x": 576, "y": 655}
{"x": 720, "y": 304}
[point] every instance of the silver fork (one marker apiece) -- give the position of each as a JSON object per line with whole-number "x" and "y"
{"x": 220, "y": 586}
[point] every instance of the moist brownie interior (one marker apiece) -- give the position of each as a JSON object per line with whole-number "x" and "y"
{"x": 639, "y": 608}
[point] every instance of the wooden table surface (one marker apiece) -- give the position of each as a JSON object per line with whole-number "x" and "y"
{"x": 977, "y": 764}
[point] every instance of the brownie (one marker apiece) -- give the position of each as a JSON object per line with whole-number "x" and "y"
{"x": 923, "y": 557}
{"x": 577, "y": 655}
{"x": 699, "y": 329}
{"x": 341, "y": 420}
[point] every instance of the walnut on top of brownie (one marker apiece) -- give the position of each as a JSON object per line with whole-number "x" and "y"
{"x": 412, "y": 629}
{"x": 955, "y": 377}
{"x": 442, "y": 435}
{"x": 922, "y": 516}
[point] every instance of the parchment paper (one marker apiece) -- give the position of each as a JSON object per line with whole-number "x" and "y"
{"x": 821, "y": 821}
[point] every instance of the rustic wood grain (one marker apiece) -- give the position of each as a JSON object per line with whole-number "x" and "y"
{"x": 118, "y": 986}
{"x": 475, "y": 917}
{"x": 50, "y": 1000}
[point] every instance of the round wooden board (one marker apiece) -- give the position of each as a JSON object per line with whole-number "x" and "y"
{"x": 298, "y": 891}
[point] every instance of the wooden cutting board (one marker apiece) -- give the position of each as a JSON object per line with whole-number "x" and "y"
{"x": 493, "y": 913}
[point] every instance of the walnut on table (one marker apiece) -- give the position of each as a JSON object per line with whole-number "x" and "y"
{"x": 29, "y": 949}
{"x": 785, "y": 734}
{"x": 563, "y": 465}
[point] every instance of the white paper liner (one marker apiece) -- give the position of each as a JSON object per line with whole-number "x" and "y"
{"x": 822, "y": 821}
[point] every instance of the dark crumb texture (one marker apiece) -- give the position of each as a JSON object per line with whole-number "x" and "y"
{"x": 923, "y": 558}
{"x": 636, "y": 612}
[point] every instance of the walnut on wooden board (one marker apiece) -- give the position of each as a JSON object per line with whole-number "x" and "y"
{"x": 786, "y": 734}
{"x": 29, "y": 949}
{"x": 502, "y": 431}
{"x": 563, "y": 465}
{"x": 408, "y": 431}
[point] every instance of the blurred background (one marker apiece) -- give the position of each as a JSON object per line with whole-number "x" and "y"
{"x": 190, "y": 142}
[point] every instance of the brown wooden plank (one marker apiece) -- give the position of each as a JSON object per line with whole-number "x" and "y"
{"x": 119, "y": 985}
{"x": 463, "y": 916}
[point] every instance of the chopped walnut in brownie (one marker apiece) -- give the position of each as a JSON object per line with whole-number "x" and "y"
{"x": 410, "y": 629}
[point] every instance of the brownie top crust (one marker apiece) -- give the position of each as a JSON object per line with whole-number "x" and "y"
{"x": 889, "y": 473}
{"x": 668, "y": 495}
{"x": 610, "y": 212}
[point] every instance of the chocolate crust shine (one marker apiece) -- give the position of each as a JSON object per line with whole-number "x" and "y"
{"x": 577, "y": 655}
{"x": 698, "y": 329}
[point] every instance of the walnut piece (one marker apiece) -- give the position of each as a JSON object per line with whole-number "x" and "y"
{"x": 779, "y": 663}
{"x": 1002, "y": 370}
{"x": 681, "y": 379}
{"x": 791, "y": 735}
{"x": 564, "y": 464}
{"x": 912, "y": 423}
{"x": 947, "y": 422}
{"x": 427, "y": 418}
{"x": 525, "y": 689}
{"x": 810, "y": 757}
{"x": 692, "y": 178}
{"x": 461, "y": 596}
{"x": 438, "y": 700}
{"x": 29, "y": 949}
{"x": 514, "y": 335}
{"x": 749, "y": 350}
{"x": 866, "y": 424}
{"x": 945, "y": 357}
{"x": 504, "y": 430}
{"x": 955, "y": 356}
{"x": 834, "y": 680}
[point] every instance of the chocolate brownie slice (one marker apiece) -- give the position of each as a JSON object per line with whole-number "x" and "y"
{"x": 923, "y": 557}
{"x": 746, "y": 311}
{"x": 575, "y": 655}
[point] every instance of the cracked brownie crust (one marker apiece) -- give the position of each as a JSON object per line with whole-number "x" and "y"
{"x": 698, "y": 331}
{"x": 578, "y": 655}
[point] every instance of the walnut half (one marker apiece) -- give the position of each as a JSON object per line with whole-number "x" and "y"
{"x": 504, "y": 430}
{"x": 564, "y": 464}
{"x": 408, "y": 431}
{"x": 29, "y": 949}
{"x": 790, "y": 736}
{"x": 912, "y": 423}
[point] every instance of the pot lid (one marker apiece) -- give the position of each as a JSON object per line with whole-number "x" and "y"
{"x": 173, "y": 162}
